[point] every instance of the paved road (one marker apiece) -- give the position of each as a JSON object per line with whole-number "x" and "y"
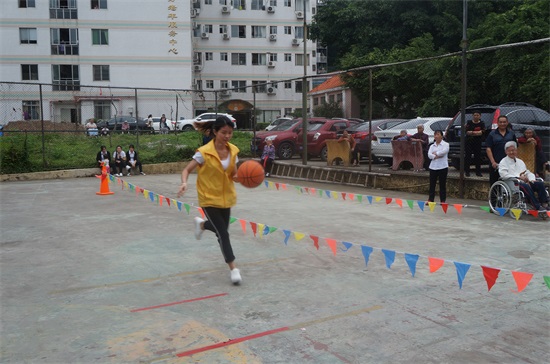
{"x": 100, "y": 279}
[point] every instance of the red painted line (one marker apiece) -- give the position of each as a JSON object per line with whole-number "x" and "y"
{"x": 179, "y": 302}
{"x": 231, "y": 342}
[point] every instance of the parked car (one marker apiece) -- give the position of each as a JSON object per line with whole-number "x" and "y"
{"x": 276, "y": 122}
{"x": 116, "y": 123}
{"x": 520, "y": 115}
{"x": 172, "y": 124}
{"x": 360, "y": 132}
{"x": 210, "y": 116}
{"x": 382, "y": 147}
{"x": 287, "y": 137}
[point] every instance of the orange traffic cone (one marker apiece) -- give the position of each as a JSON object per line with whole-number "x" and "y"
{"x": 104, "y": 185}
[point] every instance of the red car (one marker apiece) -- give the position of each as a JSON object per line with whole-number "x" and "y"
{"x": 287, "y": 137}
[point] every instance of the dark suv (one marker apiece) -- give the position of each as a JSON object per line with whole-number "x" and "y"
{"x": 520, "y": 115}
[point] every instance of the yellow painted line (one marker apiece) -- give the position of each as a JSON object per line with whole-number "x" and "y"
{"x": 334, "y": 317}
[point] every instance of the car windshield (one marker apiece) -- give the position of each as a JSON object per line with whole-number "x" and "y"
{"x": 284, "y": 125}
{"x": 411, "y": 124}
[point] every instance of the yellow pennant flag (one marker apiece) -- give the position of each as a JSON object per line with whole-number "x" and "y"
{"x": 516, "y": 213}
{"x": 432, "y": 206}
{"x": 145, "y": 193}
{"x": 298, "y": 236}
{"x": 260, "y": 229}
{"x": 334, "y": 195}
{"x": 377, "y": 198}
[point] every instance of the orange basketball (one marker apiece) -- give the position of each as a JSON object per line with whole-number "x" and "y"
{"x": 251, "y": 174}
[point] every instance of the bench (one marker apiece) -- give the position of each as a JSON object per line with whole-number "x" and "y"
{"x": 407, "y": 151}
{"x": 336, "y": 150}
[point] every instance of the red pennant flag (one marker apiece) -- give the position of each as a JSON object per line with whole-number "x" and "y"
{"x": 307, "y": 190}
{"x": 435, "y": 264}
{"x": 277, "y": 186}
{"x": 458, "y": 208}
{"x": 202, "y": 213}
{"x": 491, "y": 275}
{"x": 399, "y": 202}
{"x": 161, "y": 197}
{"x": 343, "y": 196}
{"x": 243, "y": 225}
{"x": 332, "y": 245}
{"x": 351, "y": 196}
{"x": 535, "y": 213}
{"x": 522, "y": 279}
{"x": 388, "y": 200}
{"x": 315, "y": 241}
{"x": 444, "y": 206}
{"x": 254, "y": 227}
{"x": 168, "y": 201}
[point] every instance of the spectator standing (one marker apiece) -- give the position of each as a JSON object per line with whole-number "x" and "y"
{"x": 268, "y": 156}
{"x": 495, "y": 142}
{"x": 163, "y": 126}
{"x": 119, "y": 158}
{"x": 475, "y": 129}
{"x": 346, "y": 137}
{"x": 541, "y": 163}
{"x": 217, "y": 171}
{"x": 104, "y": 156}
{"x": 133, "y": 160}
{"x": 439, "y": 166}
{"x": 423, "y": 138}
{"x": 125, "y": 127}
{"x": 150, "y": 124}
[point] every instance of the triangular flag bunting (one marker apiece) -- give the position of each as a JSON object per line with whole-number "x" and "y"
{"x": 431, "y": 205}
{"x": 272, "y": 229}
{"x": 334, "y": 195}
{"x": 360, "y": 198}
{"x": 461, "y": 270}
{"x": 315, "y": 241}
{"x": 421, "y": 205}
{"x": 547, "y": 281}
{"x": 389, "y": 255}
{"x": 411, "y": 260}
{"x": 399, "y": 202}
{"x": 388, "y": 200}
{"x": 535, "y": 213}
{"x": 377, "y": 199}
{"x": 410, "y": 203}
{"x": 522, "y": 279}
{"x": 266, "y": 183}
{"x": 202, "y": 213}
{"x": 243, "y": 225}
{"x": 187, "y": 207}
{"x": 307, "y": 190}
{"x": 327, "y": 193}
{"x": 287, "y": 236}
{"x": 366, "y": 250}
{"x": 516, "y": 213}
{"x": 444, "y": 206}
{"x": 458, "y": 208}
{"x": 299, "y": 236}
{"x": 485, "y": 208}
{"x": 435, "y": 264}
{"x": 260, "y": 229}
{"x": 313, "y": 190}
{"x": 501, "y": 210}
{"x": 332, "y": 245}
{"x": 277, "y": 186}
{"x": 168, "y": 201}
{"x": 491, "y": 275}
{"x": 343, "y": 196}
{"x": 351, "y": 196}
{"x": 160, "y": 197}
{"x": 370, "y": 199}
{"x": 179, "y": 205}
{"x": 152, "y": 196}
{"x": 347, "y": 245}
{"x": 253, "y": 226}
{"x": 232, "y": 219}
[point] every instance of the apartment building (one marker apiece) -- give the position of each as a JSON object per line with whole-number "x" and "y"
{"x": 234, "y": 56}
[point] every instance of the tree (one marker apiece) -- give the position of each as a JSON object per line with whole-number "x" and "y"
{"x": 328, "y": 110}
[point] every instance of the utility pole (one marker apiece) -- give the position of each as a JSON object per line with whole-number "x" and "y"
{"x": 304, "y": 95}
{"x": 463, "y": 96}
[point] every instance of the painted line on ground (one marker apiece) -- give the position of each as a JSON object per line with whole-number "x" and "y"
{"x": 271, "y": 332}
{"x": 178, "y": 302}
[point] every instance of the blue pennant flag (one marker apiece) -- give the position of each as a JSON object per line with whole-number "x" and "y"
{"x": 266, "y": 230}
{"x": 266, "y": 183}
{"x": 501, "y": 210}
{"x": 287, "y": 236}
{"x": 370, "y": 199}
{"x": 421, "y": 205}
{"x": 179, "y": 205}
{"x": 152, "y": 196}
{"x": 389, "y": 255}
{"x": 347, "y": 245}
{"x": 461, "y": 270}
{"x": 367, "y": 250}
{"x": 327, "y": 193}
{"x": 411, "y": 260}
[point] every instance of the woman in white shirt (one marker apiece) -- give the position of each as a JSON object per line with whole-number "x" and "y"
{"x": 439, "y": 166}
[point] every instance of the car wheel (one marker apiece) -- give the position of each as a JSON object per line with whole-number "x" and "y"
{"x": 324, "y": 154}
{"x": 388, "y": 161}
{"x": 286, "y": 151}
{"x": 187, "y": 128}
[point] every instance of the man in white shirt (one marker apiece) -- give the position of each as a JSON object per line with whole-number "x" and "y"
{"x": 511, "y": 167}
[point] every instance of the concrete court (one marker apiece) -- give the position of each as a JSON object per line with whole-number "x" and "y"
{"x": 74, "y": 265}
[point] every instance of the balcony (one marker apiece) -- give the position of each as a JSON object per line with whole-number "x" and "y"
{"x": 64, "y": 49}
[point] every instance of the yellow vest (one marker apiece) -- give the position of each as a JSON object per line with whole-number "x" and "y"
{"x": 215, "y": 186}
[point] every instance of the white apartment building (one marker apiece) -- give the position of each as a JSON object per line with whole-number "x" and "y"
{"x": 253, "y": 50}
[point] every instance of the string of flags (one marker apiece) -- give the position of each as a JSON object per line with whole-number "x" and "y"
{"x": 348, "y": 196}
{"x": 259, "y": 230}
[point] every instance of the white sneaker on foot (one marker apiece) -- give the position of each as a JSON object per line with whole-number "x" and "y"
{"x": 236, "y": 276}
{"x": 143, "y": 174}
{"x": 129, "y": 174}
{"x": 198, "y": 230}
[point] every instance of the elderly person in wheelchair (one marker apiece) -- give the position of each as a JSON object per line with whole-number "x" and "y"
{"x": 517, "y": 185}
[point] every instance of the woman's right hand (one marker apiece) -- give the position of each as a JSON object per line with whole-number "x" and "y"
{"x": 183, "y": 188}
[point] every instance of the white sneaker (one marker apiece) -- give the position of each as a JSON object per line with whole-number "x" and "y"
{"x": 143, "y": 174}
{"x": 128, "y": 167}
{"x": 236, "y": 276}
{"x": 128, "y": 174}
{"x": 198, "y": 230}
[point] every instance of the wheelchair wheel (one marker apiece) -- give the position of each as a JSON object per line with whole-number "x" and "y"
{"x": 500, "y": 196}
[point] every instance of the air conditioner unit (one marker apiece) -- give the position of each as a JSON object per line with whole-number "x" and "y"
{"x": 295, "y": 42}
{"x": 194, "y": 13}
{"x": 226, "y": 9}
{"x": 271, "y": 90}
{"x": 270, "y": 64}
{"x": 204, "y": 35}
{"x": 226, "y": 36}
{"x": 299, "y": 14}
{"x": 270, "y": 9}
{"x": 273, "y": 37}
{"x": 197, "y": 68}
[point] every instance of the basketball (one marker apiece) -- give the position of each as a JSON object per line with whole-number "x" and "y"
{"x": 251, "y": 174}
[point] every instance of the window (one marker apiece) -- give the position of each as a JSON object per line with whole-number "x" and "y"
{"x": 208, "y": 56}
{"x": 207, "y": 2}
{"x": 100, "y": 36}
{"x": 339, "y": 98}
{"x": 27, "y": 35}
{"x": 102, "y": 109}
{"x": 223, "y": 56}
{"x": 63, "y": 9}
{"x": 298, "y": 86}
{"x": 29, "y": 72}
{"x": 273, "y": 2}
{"x": 65, "y": 77}
{"x": 258, "y": 31}
{"x": 197, "y": 58}
{"x": 331, "y": 99}
{"x": 272, "y": 57}
{"x": 239, "y": 86}
{"x": 288, "y": 84}
{"x": 288, "y": 3}
{"x": 238, "y": 59}
{"x": 315, "y": 101}
{"x": 287, "y": 30}
{"x": 239, "y": 4}
{"x": 198, "y": 84}
{"x": 207, "y": 28}
{"x": 31, "y": 109}
{"x": 238, "y": 31}
{"x": 288, "y": 57}
{"x": 259, "y": 86}
{"x": 64, "y": 41}
{"x": 256, "y": 5}
{"x": 101, "y": 72}
{"x": 299, "y": 32}
{"x": 272, "y": 29}
{"x": 288, "y": 111}
{"x": 298, "y": 59}
{"x": 209, "y": 84}
{"x": 258, "y": 59}
{"x": 99, "y": 4}
{"x": 223, "y": 29}
{"x": 27, "y": 4}
{"x": 224, "y": 84}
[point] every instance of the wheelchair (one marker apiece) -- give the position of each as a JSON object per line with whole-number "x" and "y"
{"x": 507, "y": 194}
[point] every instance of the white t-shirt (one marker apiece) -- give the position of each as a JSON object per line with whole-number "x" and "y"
{"x": 225, "y": 162}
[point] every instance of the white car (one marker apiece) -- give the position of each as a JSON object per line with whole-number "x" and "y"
{"x": 381, "y": 144}
{"x": 187, "y": 124}
{"x": 276, "y": 122}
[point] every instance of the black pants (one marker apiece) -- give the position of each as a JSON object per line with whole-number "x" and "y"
{"x": 473, "y": 147}
{"x": 441, "y": 175}
{"x": 355, "y": 156}
{"x": 268, "y": 164}
{"x": 218, "y": 222}
{"x": 120, "y": 166}
{"x": 493, "y": 175}
{"x": 138, "y": 165}
{"x": 427, "y": 160}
